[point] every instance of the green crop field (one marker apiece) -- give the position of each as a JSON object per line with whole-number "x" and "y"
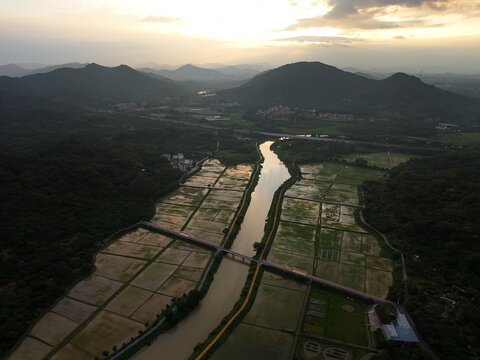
{"x": 356, "y": 175}
{"x": 310, "y": 347}
{"x": 275, "y": 308}
{"x": 337, "y": 317}
{"x": 352, "y": 276}
{"x": 265, "y": 332}
{"x": 378, "y": 159}
{"x": 253, "y": 342}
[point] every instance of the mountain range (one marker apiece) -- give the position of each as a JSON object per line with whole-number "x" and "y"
{"x": 94, "y": 84}
{"x": 317, "y": 85}
{"x": 195, "y": 77}
{"x": 304, "y": 84}
{"x": 14, "y": 70}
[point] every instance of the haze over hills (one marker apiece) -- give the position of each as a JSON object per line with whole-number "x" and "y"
{"x": 190, "y": 72}
{"x": 94, "y": 84}
{"x": 15, "y": 70}
{"x": 314, "y": 84}
{"x": 303, "y": 84}
{"x": 196, "y": 77}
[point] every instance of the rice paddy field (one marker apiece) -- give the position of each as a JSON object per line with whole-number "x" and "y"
{"x": 335, "y": 327}
{"x": 267, "y": 331}
{"x": 383, "y": 160}
{"x": 140, "y": 273}
{"x": 205, "y": 205}
{"x": 135, "y": 278}
{"x": 318, "y": 232}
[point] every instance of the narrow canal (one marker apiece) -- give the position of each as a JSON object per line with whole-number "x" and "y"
{"x": 178, "y": 343}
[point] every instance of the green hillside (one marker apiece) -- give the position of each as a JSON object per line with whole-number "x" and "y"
{"x": 95, "y": 84}
{"x": 316, "y": 85}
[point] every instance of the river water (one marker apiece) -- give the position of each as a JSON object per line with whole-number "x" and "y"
{"x": 178, "y": 343}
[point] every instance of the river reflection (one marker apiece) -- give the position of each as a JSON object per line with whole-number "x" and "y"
{"x": 178, "y": 343}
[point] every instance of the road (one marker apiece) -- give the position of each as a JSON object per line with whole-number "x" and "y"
{"x": 266, "y": 263}
{"x": 403, "y": 304}
{"x": 277, "y": 135}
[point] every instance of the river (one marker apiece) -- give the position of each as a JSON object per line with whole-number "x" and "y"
{"x": 178, "y": 343}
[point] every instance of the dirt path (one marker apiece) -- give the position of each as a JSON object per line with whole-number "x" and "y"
{"x": 250, "y": 290}
{"x": 300, "y": 320}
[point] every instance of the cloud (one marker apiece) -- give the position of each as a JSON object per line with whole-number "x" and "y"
{"x": 343, "y": 8}
{"x": 320, "y": 39}
{"x": 161, "y": 19}
{"x": 399, "y": 37}
{"x": 365, "y": 20}
{"x": 377, "y": 14}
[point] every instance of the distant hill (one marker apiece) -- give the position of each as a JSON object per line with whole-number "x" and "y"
{"x": 239, "y": 72}
{"x": 46, "y": 69}
{"x": 193, "y": 73}
{"x": 313, "y": 84}
{"x": 13, "y": 70}
{"x": 94, "y": 84}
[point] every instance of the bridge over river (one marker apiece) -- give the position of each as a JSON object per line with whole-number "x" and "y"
{"x": 266, "y": 263}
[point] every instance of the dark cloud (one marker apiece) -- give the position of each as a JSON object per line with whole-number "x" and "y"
{"x": 362, "y": 20}
{"x": 161, "y": 19}
{"x": 342, "y": 8}
{"x": 363, "y": 14}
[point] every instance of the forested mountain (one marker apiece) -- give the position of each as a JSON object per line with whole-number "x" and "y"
{"x": 313, "y": 84}
{"x": 429, "y": 209}
{"x": 94, "y": 84}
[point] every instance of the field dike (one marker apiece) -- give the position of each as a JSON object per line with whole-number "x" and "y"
{"x": 162, "y": 324}
{"x": 220, "y": 334}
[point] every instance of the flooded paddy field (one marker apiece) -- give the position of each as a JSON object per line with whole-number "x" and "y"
{"x": 136, "y": 277}
{"x": 230, "y": 278}
{"x": 267, "y": 331}
{"x": 318, "y": 232}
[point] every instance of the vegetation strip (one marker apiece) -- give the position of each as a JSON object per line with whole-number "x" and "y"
{"x": 207, "y": 277}
{"x": 277, "y": 201}
{"x": 300, "y": 320}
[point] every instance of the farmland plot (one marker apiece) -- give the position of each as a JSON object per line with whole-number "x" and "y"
{"x": 378, "y": 159}
{"x": 115, "y": 302}
{"x": 336, "y": 317}
{"x": 356, "y": 175}
{"x": 300, "y": 211}
{"x": 265, "y": 331}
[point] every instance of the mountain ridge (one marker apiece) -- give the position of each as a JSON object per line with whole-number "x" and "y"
{"x": 314, "y": 84}
{"x": 94, "y": 84}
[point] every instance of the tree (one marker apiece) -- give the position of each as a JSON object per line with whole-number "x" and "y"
{"x": 258, "y": 246}
{"x": 361, "y": 162}
{"x": 386, "y": 312}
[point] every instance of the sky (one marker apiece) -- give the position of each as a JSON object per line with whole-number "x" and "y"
{"x": 419, "y": 35}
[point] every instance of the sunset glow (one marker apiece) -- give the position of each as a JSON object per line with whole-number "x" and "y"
{"x": 247, "y": 31}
